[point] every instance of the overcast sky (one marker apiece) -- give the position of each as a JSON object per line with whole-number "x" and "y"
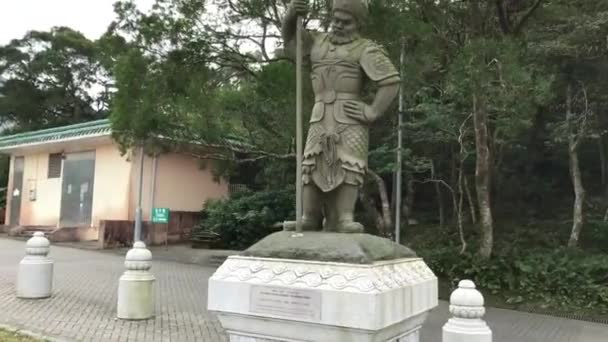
{"x": 91, "y": 17}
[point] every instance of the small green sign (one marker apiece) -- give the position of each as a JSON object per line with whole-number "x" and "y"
{"x": 160, "y": 215}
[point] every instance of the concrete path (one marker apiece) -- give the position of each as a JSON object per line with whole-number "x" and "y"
{"x": 83, "y": 307}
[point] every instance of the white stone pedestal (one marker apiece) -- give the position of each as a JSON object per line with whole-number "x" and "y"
{"x": 136, "y": 285}
{"x": 35, "y": 277}
{"x": 268, "y": 300}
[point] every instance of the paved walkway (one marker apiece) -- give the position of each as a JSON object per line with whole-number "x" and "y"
{"x": 83, "y": 306}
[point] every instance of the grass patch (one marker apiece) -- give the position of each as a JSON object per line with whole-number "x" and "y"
{"x": 11, "y": 336}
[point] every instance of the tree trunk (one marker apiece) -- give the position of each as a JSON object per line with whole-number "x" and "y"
{"x": 602, "y": 148}
{"x": 575, "y": 172}
{"x": 602, "y": 122}
{"x": 579, "y": 198}
{"x": 496, "y": 159}
{"x": 439, "y": 196}
{"x": 603, "y": 145}
{"x": 462, "y": 181}
{"x": 441, "y": 205}
{"x": 458, "y": 212}
{"x": 386, "y": 206}
{"x": 455, "y": 165}
{"x": 460, "y": 205}
{"x": 482, "y": 176}
{"x": 470, "y": 200}
{"x": 286, "y": 171}
{"x": 369, "y": 206}
{"x": 408, "y": 203}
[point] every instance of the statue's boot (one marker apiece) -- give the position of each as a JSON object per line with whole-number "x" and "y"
{"x": 289, "y": 226}
{"x": 344, "y": 200}
{"x": 310, "y": 225}
{"x": 312, "y": 216}
{"x": 350, "y": 226}
{"x": 307, "y": 225}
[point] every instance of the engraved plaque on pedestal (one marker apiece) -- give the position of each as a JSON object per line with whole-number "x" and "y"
{"x": 286, "y": 302}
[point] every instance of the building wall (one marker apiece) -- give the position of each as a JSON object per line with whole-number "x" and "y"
{"x": 111, "y": 186}
{"x": 110, "y": 192}
{"x": 180, "y": 184}
{"x": 9, "y": 191}
{"x": 44, "y": 209}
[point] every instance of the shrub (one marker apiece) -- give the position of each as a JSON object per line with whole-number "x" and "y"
{"x": 597, "y": 232}
{"x": 530, "y": 268}
{"x": 245, "y": 218}
{"x": 558, "y": 278}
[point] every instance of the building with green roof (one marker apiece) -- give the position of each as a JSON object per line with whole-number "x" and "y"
{"x": 72, "y": 180}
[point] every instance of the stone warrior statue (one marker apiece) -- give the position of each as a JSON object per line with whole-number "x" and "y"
{"x": 335, "y": 155}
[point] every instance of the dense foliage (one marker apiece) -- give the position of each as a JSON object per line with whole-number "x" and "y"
{"x": 531, "y": 270}
{"x": 247, "y": 217}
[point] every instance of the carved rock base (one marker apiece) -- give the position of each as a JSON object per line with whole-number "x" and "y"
{"x": 278, "y": 300}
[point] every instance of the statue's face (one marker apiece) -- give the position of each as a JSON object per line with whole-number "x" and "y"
{"x": 343, "y": 24}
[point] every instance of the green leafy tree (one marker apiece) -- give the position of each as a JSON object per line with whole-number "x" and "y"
{"x": 185, "y": 77}
{"x": 50, "y": 79}
{"x": 575, "y": 51}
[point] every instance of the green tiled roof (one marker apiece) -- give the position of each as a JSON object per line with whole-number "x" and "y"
{"x": 82, "y": 130}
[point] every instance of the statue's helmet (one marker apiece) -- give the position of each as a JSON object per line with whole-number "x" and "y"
{"x": 357, "y": 8}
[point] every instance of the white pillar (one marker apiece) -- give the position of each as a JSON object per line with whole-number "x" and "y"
{"x": 136, "y": 285}
{"x": 35, "y": 276}
{"x": 466, "y": 305}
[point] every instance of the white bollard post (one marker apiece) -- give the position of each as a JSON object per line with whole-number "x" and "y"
{"x": 466, "y": 304}
{"x": 35, "y": 276}
{"x": 136, "y": 285}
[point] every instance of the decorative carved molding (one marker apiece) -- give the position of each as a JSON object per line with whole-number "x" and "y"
{"x": 470, "y": 312}
{"x": 37, "y": 246}
{"x": 375, "y": 278}
{"x": 138, "y": 258}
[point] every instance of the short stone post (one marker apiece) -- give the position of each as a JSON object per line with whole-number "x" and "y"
{"x": 136, "y": 285}
{"x": 35, "y": 276}
{"x": 466, "y": 304}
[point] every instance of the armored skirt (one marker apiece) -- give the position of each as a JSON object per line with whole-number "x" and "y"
{"x": 335, "y": 157}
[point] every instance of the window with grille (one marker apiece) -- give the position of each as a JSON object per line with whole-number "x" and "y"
{"x": 55, "y": 165}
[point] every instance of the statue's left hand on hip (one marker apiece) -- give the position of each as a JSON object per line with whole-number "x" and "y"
{"x": 359, "y": 111}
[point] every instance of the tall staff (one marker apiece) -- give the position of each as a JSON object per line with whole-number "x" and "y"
{"x": 299, "y": 124}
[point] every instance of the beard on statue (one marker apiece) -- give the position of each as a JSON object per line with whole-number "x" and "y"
{"x": 344, "y": 28}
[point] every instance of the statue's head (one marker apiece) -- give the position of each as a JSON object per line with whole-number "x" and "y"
{"x": 347, "y": 18}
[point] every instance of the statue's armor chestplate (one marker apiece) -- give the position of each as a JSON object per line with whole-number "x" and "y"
{"x": 336, "y": 77}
